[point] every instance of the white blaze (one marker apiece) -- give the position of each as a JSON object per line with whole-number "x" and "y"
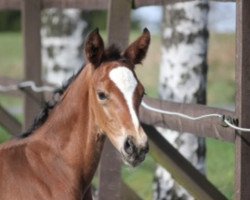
{"x": 125, "y": 80}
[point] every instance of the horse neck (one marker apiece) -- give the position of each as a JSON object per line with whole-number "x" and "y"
{"x": 71, "y": 128}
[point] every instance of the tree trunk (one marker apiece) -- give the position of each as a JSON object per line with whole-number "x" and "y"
{"x": 183, "y": 78}
{"x": 62, "y": 35}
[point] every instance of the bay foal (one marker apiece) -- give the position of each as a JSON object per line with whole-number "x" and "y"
{"x": 58, "y": 157}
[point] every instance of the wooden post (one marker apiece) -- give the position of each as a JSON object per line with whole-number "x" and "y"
{"x": 31, "y": 23}
{"x": 242, "y": 186}
{"x": 110, "y": 166}
{"x": 119, "y": 22}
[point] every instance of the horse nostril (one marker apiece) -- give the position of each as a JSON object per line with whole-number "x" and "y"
{"x": 129, "y": 146}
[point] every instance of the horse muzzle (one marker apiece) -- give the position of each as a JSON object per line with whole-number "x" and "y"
{"x": 133, "y": 154}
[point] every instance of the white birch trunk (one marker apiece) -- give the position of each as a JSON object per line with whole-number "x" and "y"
{"x": 62, "y": 35}
{"x": 183, "y": 78}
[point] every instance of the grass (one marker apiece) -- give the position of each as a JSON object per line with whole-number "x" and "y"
{"x": 4, "y": 135}
{"x": 221, "y": 90}
{"x": 221, "y": 76}
{"x": 11, "y": 65}
{"x": 10, "y": 101}
{"x": 148, "y": 73}
{"x": 11, "y": 55}
{"x": 220, "y": 165}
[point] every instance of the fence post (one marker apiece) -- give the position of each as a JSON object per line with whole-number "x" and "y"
{"x": 110, "y": 166}
{"x": 31, "y": 23}
{"x": 242, "y": 186}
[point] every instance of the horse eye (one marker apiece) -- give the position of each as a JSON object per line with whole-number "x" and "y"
{"x": 102, "y": 96}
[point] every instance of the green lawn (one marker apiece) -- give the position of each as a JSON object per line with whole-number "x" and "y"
{"x": 220, "y": 165}
{"x": 11, "y": 55}
{"x": 4, "y": 135}
{"x": 221, "y": 90}
{"x": 221, "y": 75}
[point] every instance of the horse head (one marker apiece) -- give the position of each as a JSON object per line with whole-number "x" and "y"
{"x": 116, "y": 94}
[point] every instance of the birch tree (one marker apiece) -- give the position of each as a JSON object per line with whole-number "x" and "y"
{"x": 62, "y": 33}
{"x": 183, "y": 78}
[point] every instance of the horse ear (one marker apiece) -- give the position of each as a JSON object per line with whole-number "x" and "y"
{"x": 137, "y": 51}
{"x": 94, "y": 48}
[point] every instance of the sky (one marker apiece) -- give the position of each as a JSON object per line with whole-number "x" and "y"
{"x": 221, "y": 17}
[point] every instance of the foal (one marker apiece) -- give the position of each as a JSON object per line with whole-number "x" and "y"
{"x": 58, "y": 159}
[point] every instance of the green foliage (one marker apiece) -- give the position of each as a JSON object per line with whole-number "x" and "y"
{"x": 10, "y": 21}
{"x": 96, "y": 19}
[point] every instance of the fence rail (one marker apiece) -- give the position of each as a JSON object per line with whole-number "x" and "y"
{"x": 5, "y": 81}
{"x": 88, "y": 4}
{"x": 140, "y": 3}
{"x": 211, "y": 127}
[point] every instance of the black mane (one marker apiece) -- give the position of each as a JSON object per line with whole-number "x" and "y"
{"x": 111, "y": 53}
{"x": 49, "y": 105}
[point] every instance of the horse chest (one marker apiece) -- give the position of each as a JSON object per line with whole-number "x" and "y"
{"x": 28, "y": 175}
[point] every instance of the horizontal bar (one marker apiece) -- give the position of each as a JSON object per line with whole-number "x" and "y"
{"x": 10, "y": 5}
{"x": 8, "y": 81}
{"x": 88, "y": 4}
{"x": 5, "y": 81}
{"x": 9, "y": 122}
{"x": 209, "y": 127}
{"x": 81, "y": 4}
{"x": 181, "y": 169}
{"x": 141, "y": 3}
